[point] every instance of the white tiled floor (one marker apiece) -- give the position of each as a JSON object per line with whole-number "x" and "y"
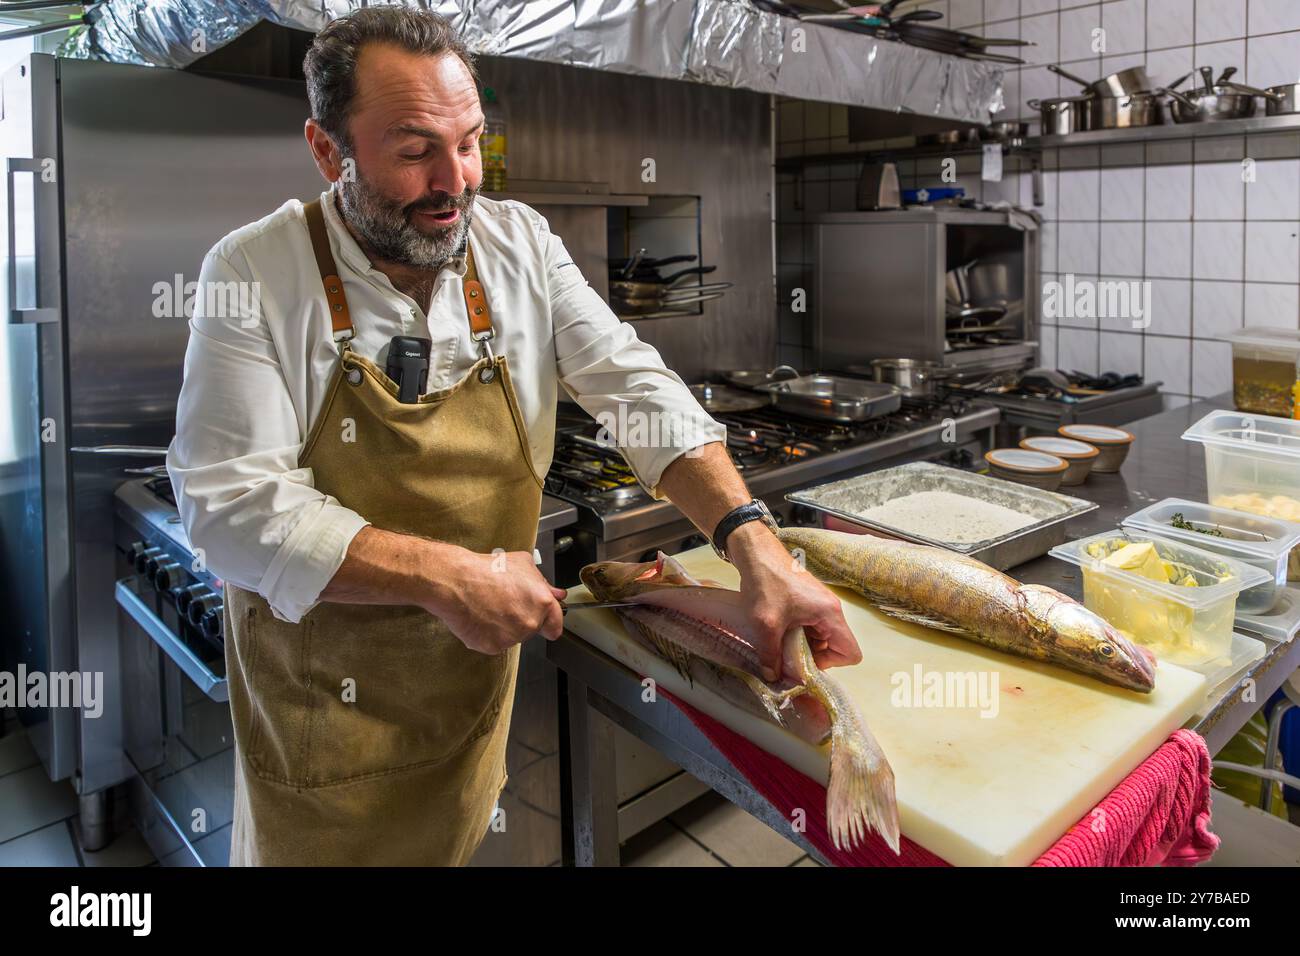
{"x": 711, "y": 831}
{"x": 37, "y": 816}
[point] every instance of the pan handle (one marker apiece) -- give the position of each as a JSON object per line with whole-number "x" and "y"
{"x": 1069, "y": 76}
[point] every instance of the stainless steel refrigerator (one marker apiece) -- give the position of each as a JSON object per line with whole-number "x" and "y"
{"x": 118, "y": 178}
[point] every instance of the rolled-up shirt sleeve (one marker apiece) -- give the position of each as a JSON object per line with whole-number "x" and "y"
{"x": 620, "y": 381}
{"x": 251, "y": 513}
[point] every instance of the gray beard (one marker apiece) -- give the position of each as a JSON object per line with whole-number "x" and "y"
{"x": 389, "y": 234}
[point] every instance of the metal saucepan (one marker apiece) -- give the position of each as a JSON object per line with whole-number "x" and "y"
{"x": 1063, "y": 114}
{"x": 916, "y": 379}
{"x": 1221, "y": 100}
{"x": 725, "y": 398}
{"x": 1125, "y": 112}
{"x": 1124, "y": 83}
{"x": 1283, "y": 100}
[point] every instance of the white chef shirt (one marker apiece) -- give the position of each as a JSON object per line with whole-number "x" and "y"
{"x": 256, "y": 378}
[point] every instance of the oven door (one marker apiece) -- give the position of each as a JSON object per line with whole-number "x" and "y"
{"x": 176, "y": 728}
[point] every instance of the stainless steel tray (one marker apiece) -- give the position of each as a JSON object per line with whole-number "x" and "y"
{"x": 850, "y": 498}
{"x": 834, "y": 397}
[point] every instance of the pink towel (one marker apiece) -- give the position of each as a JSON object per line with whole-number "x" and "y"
{"x": 1160, "y": 813}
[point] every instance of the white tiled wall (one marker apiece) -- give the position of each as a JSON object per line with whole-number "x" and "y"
{"x": 1219, "y": 251}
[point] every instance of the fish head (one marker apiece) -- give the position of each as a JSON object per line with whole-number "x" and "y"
{"x": 1091, "y": 644}
{"x": 616, "y": 580}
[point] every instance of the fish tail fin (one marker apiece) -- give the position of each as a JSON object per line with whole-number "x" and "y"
{"x": 860, "y": 796}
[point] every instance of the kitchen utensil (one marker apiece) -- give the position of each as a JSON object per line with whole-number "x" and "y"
{"x": 754, "y": 377}
{"x": 727, "y": 398}
{"x": 1213, "y": 102}
{"x": 1113, "y": 86}
{"x": 1004, "y": 131}
{"x": 915, "y": 378}
{"x": 993, "y": 792}
{"x": 630, "y": 266}
{"x": 1036, "y": 468}
{"x": 834, "y": 397}
{"x": 1284, "y": 100}
{"x": 1085, "y": 85}
{"x": 643, "y": 306}
{"x": 1125, "y": 112}
{"x": 1124, "y": 83}
{"x": 566, "y": 606}
{"x": 878, "y": 187}
{"x": 1112, "y": 443}
{"x": 1061, "y": 115}
{"x": 1078, "y": 455}
{"x": 989, "y": 282}
{"x": 850, "y": 498}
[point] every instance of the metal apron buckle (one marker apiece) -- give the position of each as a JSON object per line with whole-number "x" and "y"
{"x": 488, "y": 372}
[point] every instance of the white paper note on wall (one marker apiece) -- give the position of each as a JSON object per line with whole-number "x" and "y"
{"x": 991, "y": 169}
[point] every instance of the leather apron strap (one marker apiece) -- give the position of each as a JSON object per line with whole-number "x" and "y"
{"x": 476, "y": 304}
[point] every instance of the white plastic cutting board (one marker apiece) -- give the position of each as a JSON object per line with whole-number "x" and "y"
{"x": 976, "y": 791}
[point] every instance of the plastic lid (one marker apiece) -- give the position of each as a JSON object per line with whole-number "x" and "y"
{"x": 1061, "y": 447}
{"x": 1097, "y": 434}
{"x": 1266, "y": 337}
{"x": 1241, "y": 576}
{"x": 1018, "y": 459}
{"x": 1261, "y": 435}
{"x": 1255, "y": 535}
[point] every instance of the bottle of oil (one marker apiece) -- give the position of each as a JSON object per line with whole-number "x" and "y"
{"x": 492, "y": 144}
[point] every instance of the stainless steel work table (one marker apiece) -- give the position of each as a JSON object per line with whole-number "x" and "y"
{"x": 595, "y": 689}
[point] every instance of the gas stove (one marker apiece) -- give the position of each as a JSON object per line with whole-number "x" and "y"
{"x": 775, "y": 451}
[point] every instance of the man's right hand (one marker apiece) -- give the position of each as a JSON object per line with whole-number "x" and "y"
{"x": 492, "y": 602}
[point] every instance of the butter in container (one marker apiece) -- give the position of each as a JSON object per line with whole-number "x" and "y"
{"x": 1264, "y": 542}
{"x": 1177, "y": 600}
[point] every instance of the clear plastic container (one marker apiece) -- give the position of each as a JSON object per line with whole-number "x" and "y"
{"x": 1280, "y": 624}
{"x": 1253, "y": 539}
{"x": 1264, "y": 363}
{"x": 1182, "y": 624}
{"x": 1252, "y": 463}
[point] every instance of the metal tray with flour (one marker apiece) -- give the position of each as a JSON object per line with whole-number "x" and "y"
{"x": 850, "y": 498}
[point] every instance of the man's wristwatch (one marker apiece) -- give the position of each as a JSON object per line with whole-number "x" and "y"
{"x": 754, "y": 510}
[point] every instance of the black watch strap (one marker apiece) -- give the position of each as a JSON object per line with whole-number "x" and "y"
{"x": 753, "y": 510}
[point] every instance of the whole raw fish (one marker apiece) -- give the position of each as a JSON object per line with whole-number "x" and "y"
{"x": 958, "y": 594}
{"x": 686, "y": 621}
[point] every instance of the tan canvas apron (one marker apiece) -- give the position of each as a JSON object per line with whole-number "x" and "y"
{"x": 368, "y": 734}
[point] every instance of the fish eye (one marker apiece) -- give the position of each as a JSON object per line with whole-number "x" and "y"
{"x": 1106, "y": 650}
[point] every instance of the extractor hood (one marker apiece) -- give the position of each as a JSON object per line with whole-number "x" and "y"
{"x": 718, "y": 42}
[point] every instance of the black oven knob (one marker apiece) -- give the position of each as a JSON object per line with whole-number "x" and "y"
{"x": 184, "y": 596}
{"x": 211, "y": 623}
{"x": 200, "y": 606}
{"x": 168, "y": 576}
{"x": 143, "y": 557}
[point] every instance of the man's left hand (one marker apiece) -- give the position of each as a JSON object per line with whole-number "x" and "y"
{"x": 781, "y": 594}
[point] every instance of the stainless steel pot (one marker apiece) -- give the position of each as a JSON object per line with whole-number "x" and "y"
{"x": 1061, "y": 115}
{"x": 1125, "y": 112}
{"x": 1124, "y": 83}
{"x": 1210, "y": 105}
{"x": 916, "y": 379}
{"x": 1283, "y": 100}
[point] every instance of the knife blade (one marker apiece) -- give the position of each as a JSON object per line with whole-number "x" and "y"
{"x": 597, "y": 604}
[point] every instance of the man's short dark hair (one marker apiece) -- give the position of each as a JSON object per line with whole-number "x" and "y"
{"x": 331, "y": 61}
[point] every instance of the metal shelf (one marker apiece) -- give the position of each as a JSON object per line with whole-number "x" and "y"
{"x": 1167, "y": 131}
